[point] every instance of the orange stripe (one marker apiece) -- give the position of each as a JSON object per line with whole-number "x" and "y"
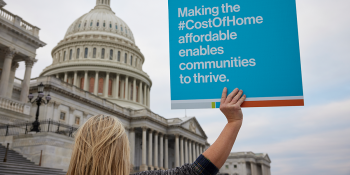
{"x": 271, "y": 103}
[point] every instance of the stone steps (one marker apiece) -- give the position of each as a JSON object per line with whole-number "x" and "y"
{"x": 17, "y": 164}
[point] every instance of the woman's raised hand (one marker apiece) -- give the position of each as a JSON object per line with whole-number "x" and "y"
{"x": 230, "y": 105}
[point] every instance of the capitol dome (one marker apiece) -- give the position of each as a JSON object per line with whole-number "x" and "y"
{"x": 99, "y": 54}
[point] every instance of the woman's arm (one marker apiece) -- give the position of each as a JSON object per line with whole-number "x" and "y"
{"x": 231, "y": 107}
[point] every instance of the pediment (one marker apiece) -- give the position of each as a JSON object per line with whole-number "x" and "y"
{"x": 191, "y": 124}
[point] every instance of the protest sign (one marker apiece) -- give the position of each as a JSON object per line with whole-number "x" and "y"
{"x": 249, "y": 44}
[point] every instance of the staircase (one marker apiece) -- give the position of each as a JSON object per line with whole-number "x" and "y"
{"x": 17, "y": 164}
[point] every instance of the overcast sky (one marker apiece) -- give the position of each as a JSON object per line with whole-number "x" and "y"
{"x": 314, "y": 139}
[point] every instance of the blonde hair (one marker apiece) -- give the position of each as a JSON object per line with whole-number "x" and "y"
{"x": 101, "y": 147}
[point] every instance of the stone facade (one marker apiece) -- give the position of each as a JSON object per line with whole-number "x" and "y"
{"x": 246, "y": 163}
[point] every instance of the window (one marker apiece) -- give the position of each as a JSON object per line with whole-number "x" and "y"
{"x": 70, "y": 54}
{"x": 91, "y": 24}
{"x": 116, "y": 27}
{"x": 104, "y": 24}
{"x": 85, "y": 24}
{"x": 64, "y": 56}
{"x": 97, "y": 24}
{"x": 118, "y": 55}
{"x": 78, "y": 52}
{"x": 86, "y": 52}
{"x": 234, "y": 166}
{"x": 63, "y": 116}
{"x": 103, "y": 53}
{"x": 94, "y": 53}
{"x": 110, "y": 25}
{"x": 79, "y": 26}
{"x": 126, "y": 58}
{"x": 111, "y": 54}
{"x": 126, "y": 30}
{"x": 77, "y": 120}
{"x": 226, "y": 166}
{"x": 121, "y": 28}
{"x": 131, "y": 60}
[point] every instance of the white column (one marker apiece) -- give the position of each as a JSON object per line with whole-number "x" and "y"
{"x": 26, "y": 81}
{"x": 177, "y": 154}
{"x": 150, "y": 147}
{"x": 65, "y": 77}
{"x": 161, "y": 157}
{"x": 190, "y": 151}
{"x": 106, "y": 85}
{"x": 186, "y": 151}
{"x": 156, "y": 150}
{"x": 75, "y": 78}
{"x": 182, "y": 160}
{"x": 116, "y": 87}
{"x": 144, "y": 153}
{"x": 132, "y": 146}
{"x": 11, "y": 80}
{"x": 86, "y": 81}
{"x": 197, "y": 150}
{"x": 134, "y": 91}
{"x": 140, "y": 92}
{"x": 194, "y": 157}
{"x": 148, "y": 97}
{"x": 6, "y": 69}
{"x": 96, "y": 83}
{"x": 144, "y": 95}
{"x": 126, "y": 88}
{"x": 166, "y": 161}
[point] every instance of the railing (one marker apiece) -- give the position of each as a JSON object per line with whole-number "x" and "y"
{"x": 146, "y": 112}
{"x": 18, "y": 21}
{"x": 4, "y": 14}
{"x": 14, "y": 105}
{"x": 45, "y": 126}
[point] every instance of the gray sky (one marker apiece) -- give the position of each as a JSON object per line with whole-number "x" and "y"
{"x": 314, "y": 139}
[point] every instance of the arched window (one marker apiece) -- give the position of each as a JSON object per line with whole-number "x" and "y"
{"x": 111, "y": 54}
{"x": 82, "y": 83}
{"x": 121, "y": 28}
{"x": 86, "y": 52}
{"x": 78, "y": 53}
{"x": 126, "y": 58}
{"x": 70, "y": 54}
{"x": 91, "y": 84}
{"x": 79, "y": 26}
{"x": 110, "y": 25}
{"x": 91, "y": 24}
{"x": 116, "y": 27}
{"x": 100, "y": 86}
{"x": 103, "y": 53}
{"x": 97, "y": 24}
{"x": 110, "y": 88}
{"x": 118, "y": 55}
{"x": 104, "y": 24}
{"x": 94, "y": 53}
{"x": 64, "y": 56}
{"x": 131, "y": 60}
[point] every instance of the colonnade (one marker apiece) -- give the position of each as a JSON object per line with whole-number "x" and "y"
{"x": 8, "y": 75}
{"x": 186, "y": 150}
{"x": 109, "y": 85}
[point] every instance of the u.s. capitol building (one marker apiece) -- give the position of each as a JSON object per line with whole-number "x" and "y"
{"x": 96, "y": 69}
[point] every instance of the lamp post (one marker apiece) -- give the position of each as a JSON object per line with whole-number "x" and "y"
{"x": 36, "y": 124}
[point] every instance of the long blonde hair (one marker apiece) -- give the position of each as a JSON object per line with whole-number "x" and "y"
{"x": 101, "y": 147}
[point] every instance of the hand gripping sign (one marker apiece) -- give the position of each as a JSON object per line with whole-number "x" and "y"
{"x": 250, "y": 44}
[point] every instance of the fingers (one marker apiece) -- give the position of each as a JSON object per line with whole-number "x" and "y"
{"x": 232, "y": 94}
{"x": 236, "y": 98}
{"x": 241, "y": 100}
{"x": 223, "y": 96}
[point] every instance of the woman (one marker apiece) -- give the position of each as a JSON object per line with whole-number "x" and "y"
{"x": 102, "y": 146}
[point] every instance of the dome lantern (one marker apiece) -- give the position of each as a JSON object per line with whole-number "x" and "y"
{"x": 103, "y": 3}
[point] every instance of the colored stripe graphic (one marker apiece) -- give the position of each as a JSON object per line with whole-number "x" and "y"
{"x": 250, "y": 102}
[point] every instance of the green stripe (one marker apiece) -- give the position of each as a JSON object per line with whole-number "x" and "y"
{"x": 213, "y": 105}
